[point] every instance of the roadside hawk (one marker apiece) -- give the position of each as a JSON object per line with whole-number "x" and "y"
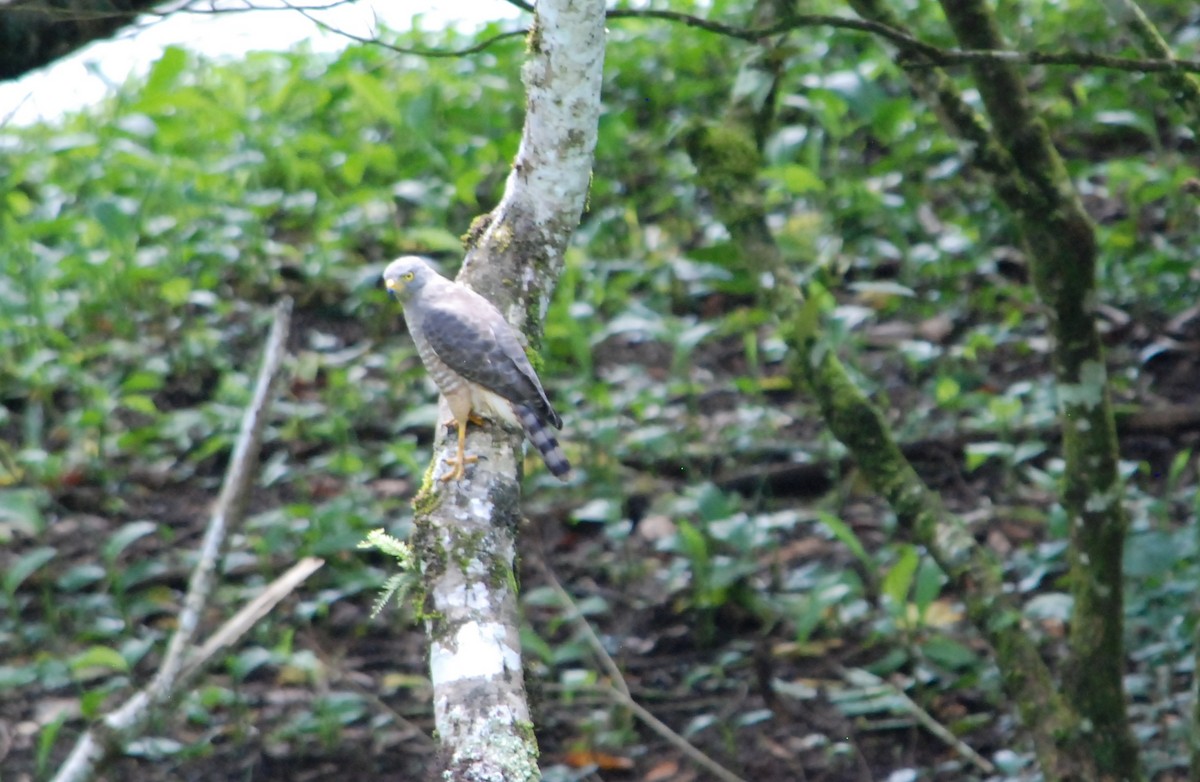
{"x": 475, "y": 358}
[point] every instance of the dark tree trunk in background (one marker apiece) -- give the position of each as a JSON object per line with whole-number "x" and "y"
{"x": 36, "y": 32}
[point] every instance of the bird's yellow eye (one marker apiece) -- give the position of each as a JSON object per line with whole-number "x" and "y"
{"x": 408, "y": 276}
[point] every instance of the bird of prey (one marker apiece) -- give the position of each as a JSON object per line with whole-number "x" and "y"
{"x": 475, "y": 358}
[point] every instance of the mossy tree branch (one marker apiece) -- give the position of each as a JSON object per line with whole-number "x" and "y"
{"x": 1063, "y": 254}
{"x": 728, "y": 159}
{"x": 920, "y": 53}
{"x": 1031, "y": 180}
{"x": 1184, "y": 86}
{"x": 1061, "y": 749}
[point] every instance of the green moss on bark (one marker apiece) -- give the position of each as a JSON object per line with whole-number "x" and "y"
{"x": 727, "y": 162}
{"x": 1063, "y": 254}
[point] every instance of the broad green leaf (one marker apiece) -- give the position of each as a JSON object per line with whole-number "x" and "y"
{"x": 46, "y": 739}
{"x": 847, "y": 537}
{"x": 142, "y": 381}
{"x": 92, "y": 702}
{"x": 126, "y": 536}
{"x": 139, "y": 403}
{"x": 979, "y": 453}
{"x": 376, "y": 95}
{"x": 949, "y": 653}
{"x": 1056, "y": 606}
{"x": 19, "y": 512}
{"x": 928, "y": 584}
{"x": 947, "y": 390}
{"x": 13, "y": 676}
{"x": 692, "y": 543}
{"x": 80, "y": 577}
{"x": 25, "y": 566}
{"x": 899, "y": 579}
{"x": 164, "y": 75}
{"x": 99, "y": 658}
{"x": 1156, "y": 552}
{"x": 175, "y": 291}
{"x": 797, "y": 179}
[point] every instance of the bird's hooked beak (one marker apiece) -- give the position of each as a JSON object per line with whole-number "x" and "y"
{"x": 393, "y": 288}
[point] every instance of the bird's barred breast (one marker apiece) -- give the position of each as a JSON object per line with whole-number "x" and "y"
{"x": 484, "y": 402}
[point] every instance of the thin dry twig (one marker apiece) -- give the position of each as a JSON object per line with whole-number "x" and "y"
{"x": 923, "y": 54}
{"x": 237, "y": 625}
{"x": 618, "y": 688}
{"x": 432, "y": 53}
{"x": 41, "y": 8}
{"x": 339, "y": 674}
{"x": 246, "y": 7}
{"x": 231, "y": 501}
{"x": 919, "y": 54}
{"x": 858, "y": 677}
{"x": 756, "y": 34}
{"x": 115, "y": 729}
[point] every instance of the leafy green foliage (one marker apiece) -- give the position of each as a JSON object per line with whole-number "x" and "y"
{"x": 141, "y": 245}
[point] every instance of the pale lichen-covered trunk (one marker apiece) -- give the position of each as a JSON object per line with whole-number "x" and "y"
{"x": 466, "y": 530}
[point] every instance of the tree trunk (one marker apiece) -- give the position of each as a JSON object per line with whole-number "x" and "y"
{"x": 466, "y": 530}
{"x": 34, "y": 33}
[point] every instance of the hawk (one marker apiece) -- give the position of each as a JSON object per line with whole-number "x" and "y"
{"x": 475, "y": 358}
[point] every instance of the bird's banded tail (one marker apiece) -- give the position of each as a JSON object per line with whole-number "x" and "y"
{"x": 543, "y": 439}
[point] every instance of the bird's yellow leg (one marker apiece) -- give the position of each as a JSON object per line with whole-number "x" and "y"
{"x": 461, "y": 460}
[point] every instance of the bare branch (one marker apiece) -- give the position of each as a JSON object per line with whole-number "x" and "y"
{"x": 432, "y": 53}
{"x": 923, "y": 54}
{"x": 237, "y": 625}
{"x": 196, "y": 9}
{"x": 618, "y": 689}
{"x": 119, "y": 726}
{"x": 917, "y": 53}
{"x": 756, "y": 34}
{"x": 124, "y": 723}
{"x": 857, "y": 677}
{"x": 949, "y": 57}
{"x": 75, "y": 14}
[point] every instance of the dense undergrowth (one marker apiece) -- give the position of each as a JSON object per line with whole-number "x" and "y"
{"x": 143, "y": 242}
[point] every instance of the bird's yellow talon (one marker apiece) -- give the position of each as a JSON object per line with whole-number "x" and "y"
{"x": 460, "y": 460}
{"x": 460, "y": 466}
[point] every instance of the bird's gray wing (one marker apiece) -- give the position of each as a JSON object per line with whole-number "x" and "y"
{"x": 476, "y": 342}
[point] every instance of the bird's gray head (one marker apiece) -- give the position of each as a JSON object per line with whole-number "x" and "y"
{"x": 407, "y": 275}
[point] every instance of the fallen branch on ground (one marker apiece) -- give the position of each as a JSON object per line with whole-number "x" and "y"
{"x": 116, "y": 729}
{"x": 618, "y": 689}
{"x": 771, "y": 471}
